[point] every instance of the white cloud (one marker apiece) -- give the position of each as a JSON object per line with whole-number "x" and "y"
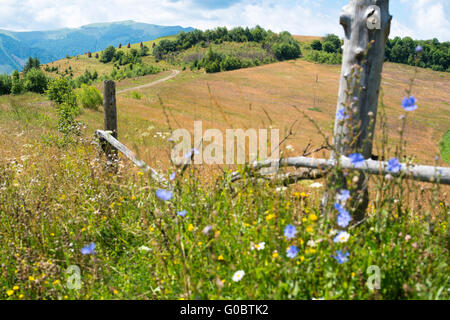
{"x": 427, "y": 18}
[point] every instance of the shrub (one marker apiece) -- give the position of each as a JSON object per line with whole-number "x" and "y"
{"x": 36, "y": 81}
{"x": 59, "y": 90}
{"x": 108, "y": 54}
{"x": 5, "y": 84}
{"x": 90, "y": 97}
{"x": 316, "y": 45}
{"x": 17, "y": 86}
{"x": 32, "y": 63}
{"x": 231, "y": 63}
{"x": 329, "y": 47}
{"x": 136, "y": 95}
{"x": 286, "y": 51}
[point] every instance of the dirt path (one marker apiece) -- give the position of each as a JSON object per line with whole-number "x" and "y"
{"x": 151, "y": 84}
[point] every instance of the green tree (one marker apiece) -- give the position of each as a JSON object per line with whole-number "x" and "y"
{"x": 36, "y": 81}
{"x": 334, "y": 40}
{"x": 329, "y": 47}
{"x": 59, "y": 90}
{"x": 316, "y": 45}
{"x": 17, "y": 83}
{"x": 5, "y": 84}
{"x": 108, "y": 54}
{"x": 32, "y": 63}
{"x": 90, "y": 97}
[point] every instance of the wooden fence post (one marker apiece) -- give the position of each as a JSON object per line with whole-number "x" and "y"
{"x": 109, "y": 105}
{"x": 367, "y": 26}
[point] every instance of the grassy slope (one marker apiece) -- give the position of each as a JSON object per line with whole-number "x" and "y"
{"x": 55, "y": 200}
{"x": 81, "y": 62}
{"x": 247, "y": 94}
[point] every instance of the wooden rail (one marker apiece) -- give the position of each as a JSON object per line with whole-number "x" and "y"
{"x": 415, "y": 172}
{"x": 107, "y": 136}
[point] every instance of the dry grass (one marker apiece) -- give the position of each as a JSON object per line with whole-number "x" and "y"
{"x": 248, "y": 95}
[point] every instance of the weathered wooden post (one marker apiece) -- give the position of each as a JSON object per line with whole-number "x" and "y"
{"x": 367, "y": 26}
{"x": 109, "y": 105}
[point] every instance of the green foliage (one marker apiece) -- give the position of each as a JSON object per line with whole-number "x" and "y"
{"x": 329, "y": 47}
{"x": 136, "y": 95}
{"x": 282, "y": 47}
{"x": 5, "y": 84}
{"x": 36, "y": 81}
{"x": 445, "y": 148}
{"x": 334, "y": 41}
{"x": 32, "y": 63}
{"x": 17, "y": 86}
{"x": 90, "y": 97}
{"x": 316, "y": 45}
{"x": 108, "y": 54}
{"x": 324, "y": 57}
{"x": 59, "y": 89}
{"x": 434, "y": 55}
{"x": 132, "y": 71}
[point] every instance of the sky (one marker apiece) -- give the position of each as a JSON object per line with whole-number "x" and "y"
{"x": 420, "y": 19}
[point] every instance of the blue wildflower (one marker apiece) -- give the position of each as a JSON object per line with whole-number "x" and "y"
{"x": 357, "y": 159}
{"x": 182, "y": 213}
{"x": 341, "y": 257}
{"x": 394, "y": 165}
{"x": 191, "y": 153}
{"x": 341, "y": 114}
{"x": 173, "y": 176}
{"x": 419, "y": 49}
{"x": 89, "y": 249}
{"x": 292, "y": 252}
{"x": 343, "y": 195}
{"x": 409, "y": 104}
{"x": 290, "y": 231}
{"x": 344, "y": 216}
{"x": 164, "y": 195}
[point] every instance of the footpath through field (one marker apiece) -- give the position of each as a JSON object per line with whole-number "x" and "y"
{"x": 151, "y": 84}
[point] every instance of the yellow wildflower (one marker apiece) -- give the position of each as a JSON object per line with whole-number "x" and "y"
{"x": 313, "y": 217}
{"x": 31, "y": 278}
{"x": 275, "y": 254}
{"x": 309, "y": 229}
{"x": 302, "y": 258}
{"x": 10, "y": 293}
{"x": 20, "y": 296}
{"x": 190, "y": 227}
{"x": 221, "y": 258}
{"x": 55, "y": 282}
{"x": 270, "y": 217}
{"x": 15, "y": 288}
{"x": 303, "y": 195}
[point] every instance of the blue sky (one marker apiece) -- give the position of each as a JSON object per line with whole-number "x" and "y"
{"x": 424, "y": 19}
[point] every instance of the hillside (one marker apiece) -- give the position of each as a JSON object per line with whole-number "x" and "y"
{"x": 16, "y": 47}
{"x": 74, "y": 229}
{"x": 261, "y": 96}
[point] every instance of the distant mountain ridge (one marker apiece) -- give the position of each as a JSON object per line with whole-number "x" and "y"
{"x": 16, "y": 47}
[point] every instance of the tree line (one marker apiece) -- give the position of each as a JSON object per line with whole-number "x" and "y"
{"x": 434, "y": 54}
{"x": 282, "y": 46}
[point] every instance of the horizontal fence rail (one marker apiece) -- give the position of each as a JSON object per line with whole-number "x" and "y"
{"x": 415, "y": 172}
{"x": 106, "y": 136}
